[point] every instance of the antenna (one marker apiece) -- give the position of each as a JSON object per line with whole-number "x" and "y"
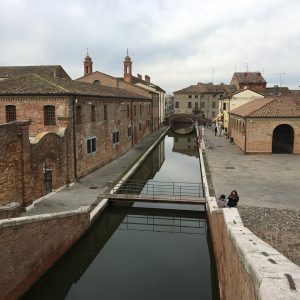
{"x": 87, "y": 51}
{"x": 281, "y": 74}
{"x": 247, "y": 67}
{"x": 213, "y": 74}
{"x": 234, "y": 68}
{"x": 127, "y": 51}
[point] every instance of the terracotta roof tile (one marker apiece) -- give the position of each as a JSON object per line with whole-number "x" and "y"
{"x": 207, "y": 88}
{"x": 14, "y": 71}
{"x": 270, "y": 107}
{"x": 38, "y": 85}
{"x": 249, "y": 77}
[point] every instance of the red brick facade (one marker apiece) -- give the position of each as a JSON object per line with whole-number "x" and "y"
{"x": 255, "y": 135}
{"x": 22, "y": 262}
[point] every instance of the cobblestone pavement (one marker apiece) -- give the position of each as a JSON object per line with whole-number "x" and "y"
{"x": 278, "y": 227}
{"x": 269, "y": 191}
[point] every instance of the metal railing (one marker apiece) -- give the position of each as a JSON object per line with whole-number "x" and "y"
{"x": 179, "y": 190}
{"x": 164, "y": 224}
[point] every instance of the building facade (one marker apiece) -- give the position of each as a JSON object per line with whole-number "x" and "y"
{"x": 248, "y": 80}
{"x": 270, "y": 125}
{"x": 201, "y": 99}
{"x": 73, "y": 128}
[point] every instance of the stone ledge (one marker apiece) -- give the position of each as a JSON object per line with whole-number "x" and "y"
{"x": 42, "y": 217}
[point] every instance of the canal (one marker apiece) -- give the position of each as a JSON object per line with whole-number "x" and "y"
{"x": 141, "y": 251}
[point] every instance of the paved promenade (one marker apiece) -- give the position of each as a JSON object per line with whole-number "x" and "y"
{"x": 269, "y": 190}
{"x": 86, "y": 191}
{"x": 261, "y": 180}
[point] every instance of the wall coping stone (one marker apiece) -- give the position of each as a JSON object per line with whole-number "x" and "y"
{"x": 42, "y": 217}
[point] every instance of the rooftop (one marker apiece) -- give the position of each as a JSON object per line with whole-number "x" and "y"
{"x": 207, "y": 88}
{"x": 270, "y": 107}
{"x": 249, "y": 77}
{"x": 33, "y": 84}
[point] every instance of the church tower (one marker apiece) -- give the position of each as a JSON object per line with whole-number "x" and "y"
{"x": 127, "y": 69}
{"x": 88, "y": 65}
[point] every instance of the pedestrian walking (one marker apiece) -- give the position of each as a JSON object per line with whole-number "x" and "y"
{"x": 216, "y": 130}
{"x": 233, "y": 199}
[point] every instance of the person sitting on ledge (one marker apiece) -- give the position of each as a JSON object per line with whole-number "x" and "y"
{"x": 222, "y": 201}
{"x": 233, "y": 199}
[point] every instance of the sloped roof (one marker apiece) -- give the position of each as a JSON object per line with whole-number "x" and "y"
{"x": 136, "y": 80}
{"x": 14, "y": 71}
{"x": 269, "y": 107}
{"x": 207, "y": 88}
{"x": 34, "y": 84}
{"x": 249, "y": 77}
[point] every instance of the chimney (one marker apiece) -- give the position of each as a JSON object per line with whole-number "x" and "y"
{"x": 276, "y": 90}
{"x": 147, "y": 78}
{"x": 139, "y": 76}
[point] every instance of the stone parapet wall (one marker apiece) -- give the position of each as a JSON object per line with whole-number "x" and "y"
{"x": 248, "y": 268}
{"x": 30, "y": 245}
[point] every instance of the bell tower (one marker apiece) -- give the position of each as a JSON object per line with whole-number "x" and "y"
{"x": 127, "y": 69}
{"x": 87, "y": 64}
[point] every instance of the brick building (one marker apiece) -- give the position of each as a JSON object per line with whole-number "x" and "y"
{"x": 202, "y": 98}
{"x": 129, "y": 83}
{"x": 74, "y": 128}
{"x": 270, "y": 125}
{"x": 250, "y": 80}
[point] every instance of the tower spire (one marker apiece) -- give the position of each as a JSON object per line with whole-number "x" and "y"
{"x": 127, "y": 68}
{"x": 87, "y": 64}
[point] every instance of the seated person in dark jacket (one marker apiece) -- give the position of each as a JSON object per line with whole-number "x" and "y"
{"x": 233, "y": 199}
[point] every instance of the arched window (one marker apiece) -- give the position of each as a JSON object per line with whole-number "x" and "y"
{"x": 11, "y": 113}
{"x": 49, "y": 115}
{"x": 97, "y": 82}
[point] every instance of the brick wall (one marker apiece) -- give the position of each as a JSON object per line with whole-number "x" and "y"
{"x": 32, "y": 108}
{"x": 247, "y": 267}
{"x": 119, "y": 118}
{"x": 259, "y": 134}
{"x": 30, "y": 246}
{"x": 15, "y": 179}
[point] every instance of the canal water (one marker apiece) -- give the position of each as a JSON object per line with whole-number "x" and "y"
{"x": 141, "y": 251}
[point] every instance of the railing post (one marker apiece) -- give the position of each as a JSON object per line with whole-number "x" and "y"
{"x": 153, "y": 191}
{"x": 180, "y": 192}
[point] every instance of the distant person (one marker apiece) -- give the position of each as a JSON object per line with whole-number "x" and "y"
{"x": 216, "y": 130}
{"x": 222, "y": 201}
{"x": 233, "y": 199}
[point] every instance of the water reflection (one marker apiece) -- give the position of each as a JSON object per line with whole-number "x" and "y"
{"x": 134, "y": 254}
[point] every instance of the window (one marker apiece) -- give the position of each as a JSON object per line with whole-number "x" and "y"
{"x": 116, "y": 137}
{"x": 129, "y": 131}
{"x": 176, "y": 104}
{"x": 105, "y": 113}
{"x": 214, "y": 96}
{"x": 213, "y": 114}
{"x": 224, "y": 106}
{"x": 93, "y": 113}
{"x": 134, "y": 110}
{"x": 202, "y": 96}
{"x": 214, "y": 104}
{"x": 78, "y": 115}
{"x": 49, "y": 115}
{"x": 148, "y": 123}
{"x": 141, "y": 109}
{"x": 189, "y": 104}
{"x": 221, "y": 95}
{"x": 140, "y": 126}
{"x": 202, "y": 104}
{"x": 196, "y": 96}
{"x": 190, "y": 96}
{"x": 91, "y": 145}
{"x": 97, "y": 82}
{"x": 11, "y": 114}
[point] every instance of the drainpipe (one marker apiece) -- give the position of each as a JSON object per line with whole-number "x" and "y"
{"x": 74, "y": 139}
{"x": 152, "y": 122}
{"x": 229, "y": 123}
{"x": 131, "y": 116}
{"x": 245, "y": 151}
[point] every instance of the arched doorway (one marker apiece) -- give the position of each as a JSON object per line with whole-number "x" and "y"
{"x": 283, "y": 139}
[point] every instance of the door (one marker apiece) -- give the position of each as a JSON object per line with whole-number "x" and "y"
{"x": 283, "y": 139}
{"x": 48, "y": 181}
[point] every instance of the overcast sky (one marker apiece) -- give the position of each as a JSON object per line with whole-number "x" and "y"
{"x": 177, "y": 43}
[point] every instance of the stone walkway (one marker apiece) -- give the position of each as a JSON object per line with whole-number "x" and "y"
{"x": 86, "y": 191}
{"x": 269, "y": 190}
